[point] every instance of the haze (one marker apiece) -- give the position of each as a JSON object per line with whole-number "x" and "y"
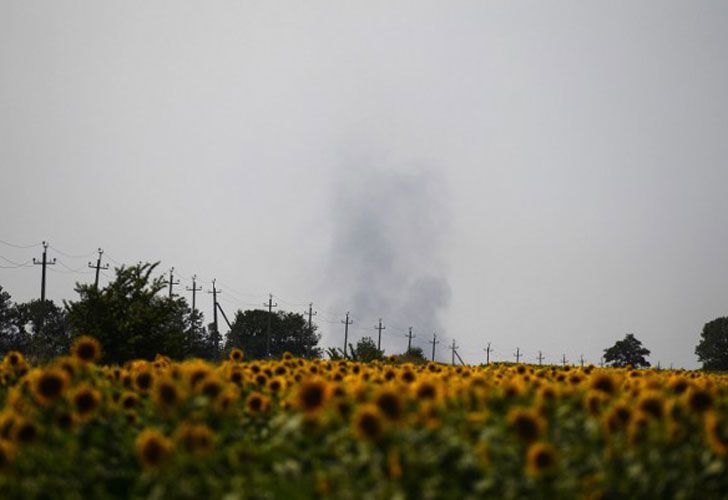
{"x": 541, "y": 175}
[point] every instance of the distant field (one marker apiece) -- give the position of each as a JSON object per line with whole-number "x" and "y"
{"x": 295, "y": 428}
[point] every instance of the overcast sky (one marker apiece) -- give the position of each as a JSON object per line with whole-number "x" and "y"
{"x": 541, "y": 175}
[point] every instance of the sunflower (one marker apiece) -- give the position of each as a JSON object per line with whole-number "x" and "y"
{"x": 85, "y": 400}
{"x": 86, "y": 349}
{"x": 153, "y": 448}
{"x": 368, "y": 423}
{"x": 426, "y": 390}
{"x": 699, "y": 400}
{"x": 143, "y": 380}
{"x": 603, "y": 382}
{"x": 311, "y": 396}
{"x": 617, "y": 417}
{"x": 8, "y": 420}
{"x": 166, "y": 393}
{"x": 716, "y": 430}
{"x": 236, "y": 355}
{"x": 390, "y": 404}
{"x": 195, "y": 438}
{"x": 128, "y": 400}
{"x": 211, "y": 387}
{"x": 526, "y": 423}
{"x": 49, "y": 385}
{"x": 14, "y": 359}
{"x": 257, "y": 403}
{"x": 652, "y": 404}
{"x": 64, "y": 420}
{"x": 541, "y": 459}
{"x": 25, "y": 431}
{"x": 7, "y": 453}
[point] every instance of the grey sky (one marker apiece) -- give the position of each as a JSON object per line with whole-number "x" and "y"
{"x": 574, "y": 153}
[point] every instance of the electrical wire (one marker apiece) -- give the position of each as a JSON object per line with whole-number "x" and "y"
{"x": 20, "y": 246}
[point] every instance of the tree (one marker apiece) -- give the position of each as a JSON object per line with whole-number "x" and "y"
{"x": 289, "y": 333}
{"x": 712, "y": 350}
{"x": 366, "y": 350}
{"x": 627, "y": 352}
{"x": 12, "y": 338}
{"x": 132, "y": 321}
{"x": 47, "y": 328}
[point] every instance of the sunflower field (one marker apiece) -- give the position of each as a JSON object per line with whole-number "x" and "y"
{"x": 295, "y": 428}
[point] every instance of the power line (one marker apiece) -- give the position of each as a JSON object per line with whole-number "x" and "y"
{"x": 13, "y": 245}
{"x": 71, "y": 256}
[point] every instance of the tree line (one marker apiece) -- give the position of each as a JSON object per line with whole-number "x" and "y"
{"x": 132, "y": 320}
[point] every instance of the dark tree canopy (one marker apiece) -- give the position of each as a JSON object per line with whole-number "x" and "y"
{"x": 47, "y": 328}
{"x": 132, "y": 320}
{"x": 627, "y": 352}
{"x": 366, "y": 350}
{"x": 38, "y": 329}
{"x": 289, "y": 333}
{"x": 712, "y": 350}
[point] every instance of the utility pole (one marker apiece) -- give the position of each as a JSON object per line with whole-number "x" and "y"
{"x": 98, "y": 268}
{"x": 311, "y": 314}
{"x": 434, "y": 342}
{"x": 216, "y": 333}
{"x": 409, "y": 339}
{"x": 563, "y": 359}
{"x": 540, "y": 358}
{"x": 346, "y": 334}
{"x": 194, "y": 291}
{"x": 581, "y": 360}
{"x": 487, "y": 354}
{"x": 379, "y": 328}
{"x": 44, "y": 262}
{"x": 172, "y": 282}
{"x": 270, "y": 306}
{"x": 518, "y": 355}
{"x": 453, "y": 347}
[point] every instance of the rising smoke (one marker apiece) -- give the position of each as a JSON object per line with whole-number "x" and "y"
{"x": 386, "y": 258}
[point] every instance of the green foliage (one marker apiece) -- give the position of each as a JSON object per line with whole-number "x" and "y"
{"x": 131, "y": 319}
{"x": 712, "y": 350}
{"x": 413, "y": 355}
{"x": 38, "y": 329}
{"x": 627, "y": 352}
{"x": 366, "y": 350}
{"x": 289, "y": 332}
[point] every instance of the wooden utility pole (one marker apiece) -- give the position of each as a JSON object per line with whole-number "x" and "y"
{"x": 434, "y": 342}
{"x": 563, "y": 360}
{"x": 270, "y": 305}
{"x": 540, "y": 358}
{"x": 172, "y": 282}
{"x": 216, "y": 333}
{"x": 518, "y": 355}
{"x": 487, "y": 354}
{"x": 194, "y": 291}
{"x": 453, "y": 347}
{"x": 379, "y": 328}
{"x": 581, "y": 360}
{"x": 409, "y": 339}
{"x": 43, "y": 262}
{"x": 346, "y": 323}
{"x": 311, "y": 314}
{"x": 98, "y": 268}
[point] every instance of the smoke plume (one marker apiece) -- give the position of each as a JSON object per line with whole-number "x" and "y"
{"x": 386, "y": 258}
